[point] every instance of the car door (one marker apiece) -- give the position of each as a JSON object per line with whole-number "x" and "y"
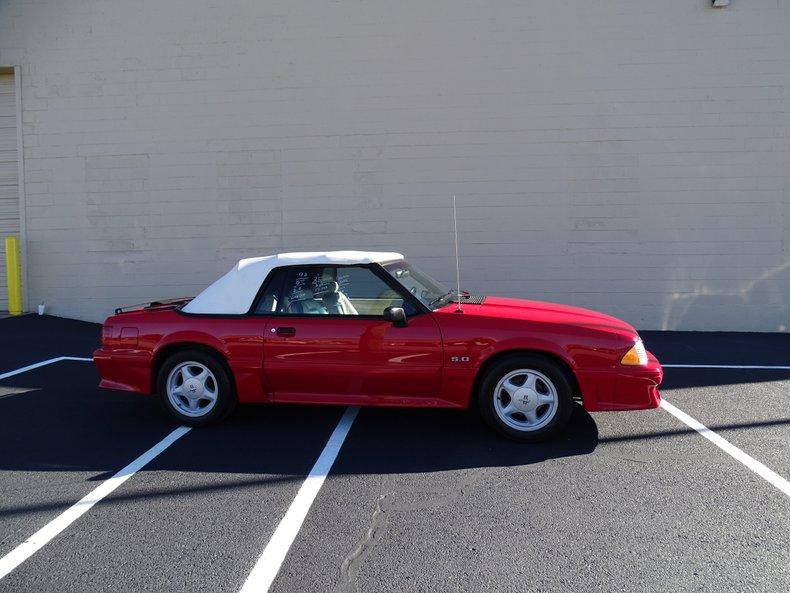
{"x": 326, "y": 340}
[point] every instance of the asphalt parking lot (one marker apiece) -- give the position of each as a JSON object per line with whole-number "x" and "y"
{"x": 416, "y": 500}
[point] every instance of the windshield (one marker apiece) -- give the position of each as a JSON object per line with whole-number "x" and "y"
{"x": 432, "y": 293}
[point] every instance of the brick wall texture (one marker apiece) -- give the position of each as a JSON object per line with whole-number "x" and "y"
{"x": 631, "y": 157}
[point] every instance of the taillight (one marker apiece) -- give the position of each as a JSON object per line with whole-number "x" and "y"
{"x": 123, "y": 337}
{"x": 129, "y": 336}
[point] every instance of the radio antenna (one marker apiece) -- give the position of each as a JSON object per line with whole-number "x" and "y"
{"x": 457, "y": 263}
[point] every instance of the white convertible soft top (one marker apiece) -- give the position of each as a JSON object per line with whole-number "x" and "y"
{"x": 234, "y": 293}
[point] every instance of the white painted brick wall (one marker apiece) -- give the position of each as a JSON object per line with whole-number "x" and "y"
{"x": 627, "y": 156}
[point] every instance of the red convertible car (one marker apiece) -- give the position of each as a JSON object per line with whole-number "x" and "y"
{"x": 362, "y": 328}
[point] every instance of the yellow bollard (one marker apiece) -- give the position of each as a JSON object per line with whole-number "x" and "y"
{"x": 12, "y": 271}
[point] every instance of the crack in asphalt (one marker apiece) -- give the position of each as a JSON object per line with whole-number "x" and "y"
{"x": 351, "y": 564}
{"x": 387, "y": 503}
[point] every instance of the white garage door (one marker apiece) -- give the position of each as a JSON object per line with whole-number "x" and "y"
{"x": 9, "y": 194}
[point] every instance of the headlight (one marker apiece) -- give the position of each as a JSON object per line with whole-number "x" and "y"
{"x": 636, "y": 356}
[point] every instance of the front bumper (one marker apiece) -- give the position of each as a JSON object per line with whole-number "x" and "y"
{"x": 124, "y": 370}
{"x": 622, "y": 388}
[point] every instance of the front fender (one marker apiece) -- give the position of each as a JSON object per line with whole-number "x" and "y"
{"x": 532, "y": 343}
{"x": 464, "y": 360}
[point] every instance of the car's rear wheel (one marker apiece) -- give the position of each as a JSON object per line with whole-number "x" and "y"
{"x": 195, "y": 388}
{"x": 526, "y": 397}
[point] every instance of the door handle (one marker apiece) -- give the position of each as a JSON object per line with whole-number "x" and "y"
{"x": 285, "y": 332}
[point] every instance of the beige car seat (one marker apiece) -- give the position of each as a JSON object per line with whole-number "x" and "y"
{"x": 335, "y": 302}
{"x": 305, "y": 302}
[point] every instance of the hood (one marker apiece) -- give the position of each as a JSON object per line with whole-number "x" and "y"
{"x": 550, "y": 313}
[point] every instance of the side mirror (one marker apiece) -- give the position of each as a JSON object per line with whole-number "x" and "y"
{"x": 396, "y": 315}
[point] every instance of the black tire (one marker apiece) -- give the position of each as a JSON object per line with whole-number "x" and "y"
{"x": 557, "y": 375}
{"x": 226, "y": 394}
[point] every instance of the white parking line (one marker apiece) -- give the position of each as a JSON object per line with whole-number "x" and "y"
{"x": 760, "y": 469}
{"x": 725, "y": 366}
{"x": 268, "y": 565}
{"x": 30, "y": 367}
{"x": 41, "y": 537}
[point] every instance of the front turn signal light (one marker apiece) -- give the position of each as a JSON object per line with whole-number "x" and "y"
{"x": 636, "y": 356}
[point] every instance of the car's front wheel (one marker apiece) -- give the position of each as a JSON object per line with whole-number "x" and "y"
{"x": 526, "y": 397}
{"x": 195, "y": 388}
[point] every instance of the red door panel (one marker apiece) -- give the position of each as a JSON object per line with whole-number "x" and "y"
{"x": 348, "y": 359}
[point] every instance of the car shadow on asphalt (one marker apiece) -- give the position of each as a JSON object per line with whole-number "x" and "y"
{"x": 257, "y": 447}
{"x": 285, "y": 440}
{"x": 56, "y": 425}
{"x": 416, "y": 441}
{"x": 52, "y": 424}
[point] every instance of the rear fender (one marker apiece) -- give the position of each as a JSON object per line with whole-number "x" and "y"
{"x": 244, "y": 364}
{"x": 191, "y": 337}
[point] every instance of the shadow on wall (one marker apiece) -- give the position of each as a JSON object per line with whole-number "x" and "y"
{"x": 755, "y": 302}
